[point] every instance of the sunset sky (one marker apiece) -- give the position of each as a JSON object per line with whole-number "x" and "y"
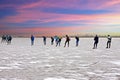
{"x": 59, "y": 17}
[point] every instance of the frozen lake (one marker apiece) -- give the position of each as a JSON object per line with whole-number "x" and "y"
{"x": 21, "y": 61}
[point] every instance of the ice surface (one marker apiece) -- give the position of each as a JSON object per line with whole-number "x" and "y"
{"x": 116, "y": 62}
{"x": 57, "y": 79}
{"x": 10, "y": 79}
{"x": 21, "y": 61}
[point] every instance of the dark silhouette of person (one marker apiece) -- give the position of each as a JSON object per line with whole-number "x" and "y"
{"x": 52, "y": 40}
{"x": 44, "y": 40}
{"x": 9, "y": 38}
{"x": 96, "y": 40}
{"x": 77, "y": 40}
{"x": 67, "y": 41}
{"x": 58, "y": 41}
{"x": 3, "y": 38}
{"x": 32, "y": 40}
{"x": 60, "y": 38}
{"x": 109, "y": 41}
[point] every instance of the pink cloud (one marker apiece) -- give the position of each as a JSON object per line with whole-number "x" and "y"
{"x": 110, "y": 3}
{"x": 67, "y": 4}
{"x": 43, "y": 17}
{"x": 27, "y": 12}
{"x": 72, "y": 4}
{"x": 51, "y": 3}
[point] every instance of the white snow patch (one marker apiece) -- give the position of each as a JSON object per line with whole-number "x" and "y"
{"x": 116, "y": 69}
{"x": 57, "y": 79}
{"x": 34, "y": 62}
{"x": 91, "y": 73}
{"x": 10, "y": 79}
{"x": 14, "y": 64}
{"x": 51, "y": 60}
{"x": 3, "y": 79}
{"x": 2, "y": 68}
{"x": 115, "y": 62}
{"x": 99, "y": 71}
{"x": 5, "y": 58}
{"x": 112, "y": 74}
{"x": 11, "y": 67}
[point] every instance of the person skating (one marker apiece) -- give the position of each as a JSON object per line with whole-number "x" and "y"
{"x": 109, "y": 41}
{"x": 52, "y": 40}
{"x": 32, "y": 40}
{"x": 3, "y": 38}
{"x": 77, "y": 40}
{"x": 60, "y": 38}
{"x": 67, "y": 41}
{"x": 44, "y": 40}
{"x": 9, "y": 39}
{"x": 58, "y": 41}
{"x": 96, "y": 40}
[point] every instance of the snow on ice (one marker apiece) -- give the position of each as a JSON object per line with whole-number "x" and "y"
{"x": 21, "y": 61}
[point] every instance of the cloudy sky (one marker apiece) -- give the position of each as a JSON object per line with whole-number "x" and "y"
{"x": 59, "y": 17}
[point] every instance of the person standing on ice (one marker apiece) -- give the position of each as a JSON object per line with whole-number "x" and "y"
{"x": 96, "y": 40}
{"x": 32, "y": 40}
{"x": 3, "y": 38}
{"x": 58, "y": 41}
{"x": 44, "y": 40}
{"x": 77, "y": 40}
{"x": 109, "y": 41}
{"x": 60, "y": 38}
{"x": 67, "y": 41}
{"x": 52, "y": 40}
{"x": 9, "y": 39}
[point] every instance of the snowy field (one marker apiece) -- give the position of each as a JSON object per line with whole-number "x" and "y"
{"x": 21, "y": 61}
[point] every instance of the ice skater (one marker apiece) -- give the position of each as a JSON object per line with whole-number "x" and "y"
{"x": 77, "y": 40}
{"x": 58, "y": 41}
{"x": 96, "y": 40}
{"x": 32, "y": 40}
{"x": 9, "y": 39}
{"x": 3, "y": 38}
{"x": 52, "y": 40}
{"x": 67, "y": 41}
{"x": 109, "y": 41}
{"x": 44, "y": 40}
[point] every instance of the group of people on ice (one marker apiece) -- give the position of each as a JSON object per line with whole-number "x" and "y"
{"x": 7, "y": 39}
{"x": 57, "y": 40}
{"x": 96, "y": 40}
{"x": 67, "y": 41}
